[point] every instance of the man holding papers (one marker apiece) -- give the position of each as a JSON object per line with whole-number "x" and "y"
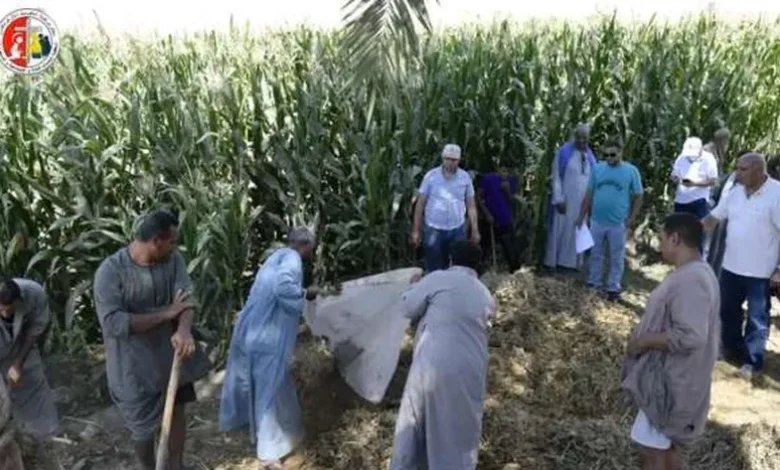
{"x": 613, "y": 200}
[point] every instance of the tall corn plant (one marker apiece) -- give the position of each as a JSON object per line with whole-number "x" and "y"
{"x": 247, "y": 135}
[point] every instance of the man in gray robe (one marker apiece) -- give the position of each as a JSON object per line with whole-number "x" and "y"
{"x": 440, "y": 420}
{"x": 24, "y": 316}
{"x": 672, "y": 351}
{"x": 145, "y": 307}
{"x": 10, "y": 455}
{"x": 570, "y": 176}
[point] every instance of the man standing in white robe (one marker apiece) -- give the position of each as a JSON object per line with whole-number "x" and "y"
{"x": 440, "y": 420}
{"x": 570, "y": 176}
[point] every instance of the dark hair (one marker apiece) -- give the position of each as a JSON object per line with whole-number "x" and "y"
{"x": 465, "y": 253}
{"x": 616, "y": 142}
{"x": 687, "y": 226}
{"x": 156, "y": 224}
{"x": 9, "y": 292}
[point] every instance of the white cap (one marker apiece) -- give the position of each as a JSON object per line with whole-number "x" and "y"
{"x": 451, "y": 151}
{"x": 692, "y": 147}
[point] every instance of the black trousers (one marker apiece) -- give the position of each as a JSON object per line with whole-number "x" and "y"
{"x": 504, "y": 235}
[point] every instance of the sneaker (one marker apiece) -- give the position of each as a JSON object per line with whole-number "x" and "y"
{"x": 746, "y": 372}
{"x": 613, "y": 296}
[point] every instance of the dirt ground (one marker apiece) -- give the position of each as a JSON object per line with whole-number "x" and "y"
{"x": 553, "y": 397}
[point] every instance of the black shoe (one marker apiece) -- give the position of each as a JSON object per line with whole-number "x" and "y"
{"x": 613, "y": 296}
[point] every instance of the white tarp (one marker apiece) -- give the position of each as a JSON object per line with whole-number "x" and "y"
{"x": 365, "y": 328}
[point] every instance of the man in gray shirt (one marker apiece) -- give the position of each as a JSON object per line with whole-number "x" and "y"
{"x": 143, "y": 298}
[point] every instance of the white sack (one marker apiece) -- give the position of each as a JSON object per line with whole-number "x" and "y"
{"x": 365, "y": 328}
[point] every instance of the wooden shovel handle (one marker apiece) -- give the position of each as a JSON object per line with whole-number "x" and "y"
{"x": 170, "y": 399}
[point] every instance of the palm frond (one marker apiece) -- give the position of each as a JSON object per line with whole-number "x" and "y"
{"x": 381, "y": 35}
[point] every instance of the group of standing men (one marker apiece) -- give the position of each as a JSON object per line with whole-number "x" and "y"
{"x": 607, "y": 192}
{"x": 725, "y": 248}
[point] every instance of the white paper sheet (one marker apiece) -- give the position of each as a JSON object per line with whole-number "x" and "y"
{"x": 584, "y": 239}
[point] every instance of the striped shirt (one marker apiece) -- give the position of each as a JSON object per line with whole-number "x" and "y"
{"x": 445, "y": 206}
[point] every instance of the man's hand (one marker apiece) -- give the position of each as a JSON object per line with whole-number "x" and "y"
{"x": 183, "y": 343}
{"x": 475, "y": 238}
{"x": 561, "y": 207}
{"x": 180, "y": 303}
{"x": 635, "y": 347}
{"x": 688, "y": 183}
{"x": 774, "y": 281}
{"x": 312, "y": 292}
{"x": 415, "y": 239}
{"x": 15, "y": 375}
{"x": 415, "y": 278}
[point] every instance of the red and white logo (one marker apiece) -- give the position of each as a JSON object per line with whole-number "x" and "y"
{"x": 30, "y": 41}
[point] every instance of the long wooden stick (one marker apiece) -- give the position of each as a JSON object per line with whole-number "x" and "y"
{"x": 165, "y": 431}
{"x": 493, "y": 244}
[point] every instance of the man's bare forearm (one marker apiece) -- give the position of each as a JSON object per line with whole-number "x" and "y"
{"x": 472, "y": 213}
{"x": 636, "y": 205}
{"x": 26, "y": 342}
{"x": 143, "y": 322}
{"x": 585, "y": 207}
{"x": 710, "y": 223}
{"x": 418, "y": 214}
{"x": 185, "y": 320}
{"x": 654, "y": 341}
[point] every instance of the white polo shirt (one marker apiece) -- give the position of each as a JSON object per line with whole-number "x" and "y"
{"x": 696, "y": 169}
{"x": 753, "y": 231}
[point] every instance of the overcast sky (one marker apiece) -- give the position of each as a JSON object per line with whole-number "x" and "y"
{"x": 179, "y": 15}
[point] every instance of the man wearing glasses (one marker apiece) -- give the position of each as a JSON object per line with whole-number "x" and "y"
{"x": 613, "y": 200}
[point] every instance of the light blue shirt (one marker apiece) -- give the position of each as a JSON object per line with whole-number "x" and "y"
{"x": 612, "y": 189}
{"x": 445, "y": 207}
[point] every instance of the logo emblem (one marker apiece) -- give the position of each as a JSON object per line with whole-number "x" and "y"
{"x": 30, "y": 41}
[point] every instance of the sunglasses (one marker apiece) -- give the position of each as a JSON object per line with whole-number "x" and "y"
{"x": 611, "y": 155}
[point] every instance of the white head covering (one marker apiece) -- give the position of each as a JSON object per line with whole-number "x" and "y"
{"x": 451, "y": 151}
{"x": 692, "y": 147}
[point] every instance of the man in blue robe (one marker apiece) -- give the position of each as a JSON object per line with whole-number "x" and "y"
{"x": 259, "y": 394}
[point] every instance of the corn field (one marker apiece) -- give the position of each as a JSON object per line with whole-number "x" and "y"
{"x": 247, "y": 134}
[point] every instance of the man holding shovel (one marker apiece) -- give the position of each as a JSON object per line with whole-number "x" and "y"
{"x": 144, "y": 304}
{"x": 24, "y": 315}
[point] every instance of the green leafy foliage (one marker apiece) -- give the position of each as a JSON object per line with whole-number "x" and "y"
{"x": 246, "y": 135}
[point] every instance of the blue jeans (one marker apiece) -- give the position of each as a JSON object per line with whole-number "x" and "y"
{"x": 437, "y": 246}
{"x": 701, "y": 209}
{"x": 615, "y": 237}
{"x": 734, "y": 290}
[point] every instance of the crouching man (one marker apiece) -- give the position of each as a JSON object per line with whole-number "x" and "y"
{"x": 673, "y": 350}
{"x": 24, "y": 316}
{"x": 440, "y": 420}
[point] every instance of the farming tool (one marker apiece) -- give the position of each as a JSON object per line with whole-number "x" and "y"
{"x": 170, "y": 399}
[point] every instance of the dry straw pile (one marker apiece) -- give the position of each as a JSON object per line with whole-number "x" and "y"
{"x": 553, "y": 394}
